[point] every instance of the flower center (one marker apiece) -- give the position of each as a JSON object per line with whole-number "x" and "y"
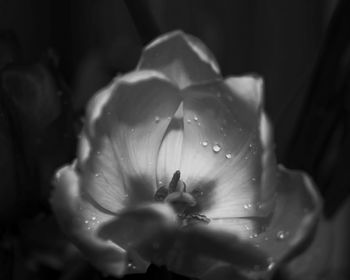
{"x": 182, "y": 202}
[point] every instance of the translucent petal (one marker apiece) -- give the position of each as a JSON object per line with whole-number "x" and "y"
{"x": 294, "y": 218}
{"x": 222, "y": 151}
{"x": 169, "y": 158}
{"x": 124, "y": 132}
{"x": 80, "y": 219}
{"x": 184, "y": 59}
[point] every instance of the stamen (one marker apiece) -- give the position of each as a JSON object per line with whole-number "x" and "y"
{"x": 174, "y": 181}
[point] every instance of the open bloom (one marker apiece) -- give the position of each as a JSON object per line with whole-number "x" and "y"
{"x": 176, "y": 167}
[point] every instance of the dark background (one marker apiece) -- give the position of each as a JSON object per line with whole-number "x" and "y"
{"x": 55, "y": 54}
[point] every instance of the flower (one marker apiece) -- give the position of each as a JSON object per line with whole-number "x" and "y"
{"x": 176, "y": 167}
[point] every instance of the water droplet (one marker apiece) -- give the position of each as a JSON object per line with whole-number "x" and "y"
{"x": 204, "y": 143}
{"x": 188, "y": 121}
{"x": 247, "y": 206}
{"x": 156, "y": 119}
{"x": 195, "y": 118}
{"x": 228, "y": 156}
{"x": 93, "y": 218}
{"x": 255, "y": 235}
{"x": 253, "y": 179}
{"x": 216, "y": 148}
{"x": 251, "y": 145}
{"x": 86, "y": 221}
{"x": 271, "y": 265}
{"x": 97, "y": 175}
{"x": 281, "y": 235}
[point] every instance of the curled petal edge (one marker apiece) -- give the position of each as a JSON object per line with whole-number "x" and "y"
{"x": 71, "y": 209}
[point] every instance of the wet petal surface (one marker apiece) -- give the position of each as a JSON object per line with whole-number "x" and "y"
{"x": 80, "y": 220}
{"x": 129, "y": 128}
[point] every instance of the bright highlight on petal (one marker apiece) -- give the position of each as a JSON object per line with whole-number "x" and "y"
{"x": 130, "y": 129}
{"x": 169, "y": 158}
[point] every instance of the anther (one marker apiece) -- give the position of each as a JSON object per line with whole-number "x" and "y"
{"x": 174, "y": 181}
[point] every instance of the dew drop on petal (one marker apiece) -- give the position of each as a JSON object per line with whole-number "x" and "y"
{"x": 195, "y": 118}
{"x": 253, "y": 179}
{"x": 281, "y": 235}
{"x": 93, "y": 218}
{"x": 216, "y": 148}
{"x": 97, "y": 175}
{"x": 228, "y": 156}
{"x": 204, "y": 143}
{"x": 156, "y": 119}
{"x": 86, "y": 221}
{"x": 188, "y": 121}
{"x": 247, "y": 206}
{"x": 271, "y": 266}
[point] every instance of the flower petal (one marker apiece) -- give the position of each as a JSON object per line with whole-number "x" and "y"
{"x": 195, "y": 251}
{"x": 135, "y": 225}
{"x": 294, "y": 218}
{"x": 125, "y": 127}
{"x": 80, "y": 220}
{"x": 184, "y": 59}
{"x": 169, "y": 157}
{"x": 314, "y": 263}
{"x": 223, "y": 152}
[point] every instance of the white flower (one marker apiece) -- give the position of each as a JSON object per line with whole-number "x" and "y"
{"x": 176, "y": 167}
